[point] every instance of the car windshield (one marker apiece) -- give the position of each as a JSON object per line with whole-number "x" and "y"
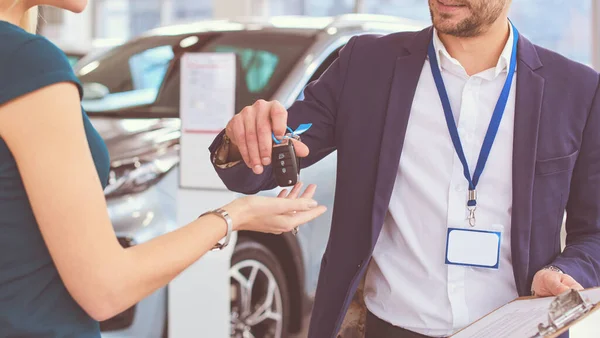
{"x": 145, "y": 72}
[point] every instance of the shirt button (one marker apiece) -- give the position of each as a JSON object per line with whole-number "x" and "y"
{"x": 458, "y": 187}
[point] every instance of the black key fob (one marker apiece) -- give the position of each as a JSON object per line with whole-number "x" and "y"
{"x": 286, "y": 166}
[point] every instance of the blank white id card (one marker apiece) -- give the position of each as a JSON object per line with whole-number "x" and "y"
{"x": 476, "y": 248}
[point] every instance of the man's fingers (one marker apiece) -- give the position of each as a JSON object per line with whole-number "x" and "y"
{"x": 555, "y": 285}
{"x": 571, "y": 283}
{"x": 252, "y": 140}
{"x": 264, "y": 131}
{"x": 239, "y": 132}
{"x": 300, "y": 148}
{"x": 279, "y": 116}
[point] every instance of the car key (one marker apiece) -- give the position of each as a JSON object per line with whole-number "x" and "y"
{"x": 286, "y": 166}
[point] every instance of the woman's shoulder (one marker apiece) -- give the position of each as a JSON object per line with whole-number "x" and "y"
{"x": 19, "y": 45}
{"x": 29, "y": 62}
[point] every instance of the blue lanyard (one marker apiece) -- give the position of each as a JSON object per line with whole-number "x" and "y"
{"x": 293, "y": 133}
{"x": 492, "y": 129}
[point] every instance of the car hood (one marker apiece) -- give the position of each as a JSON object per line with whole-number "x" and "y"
{"x": 129, "y": 138}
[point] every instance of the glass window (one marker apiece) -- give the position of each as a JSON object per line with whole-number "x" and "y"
{"x": 134, "y": 66}
{"x": 410, "y": 9}
{"x": 129, "y": 18}
{"x": 286, "y": 7}
{"x": 563, "y": 26}
{"x": 134, "y": 73}
{"x": 192, "y": 9}
{"x": 328, "y": 7}
{"x": 148, "y": 68}
{"x": 263, "y": 61}
{"x": 257, "y": 65}
{"x": 73, "y": 59}
{"x": 144, "y": 15}
{"x": 112, "y": 18}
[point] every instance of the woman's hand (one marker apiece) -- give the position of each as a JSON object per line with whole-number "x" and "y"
{"x": 275, "y": 215}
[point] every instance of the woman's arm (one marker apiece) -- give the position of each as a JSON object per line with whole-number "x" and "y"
{"x": 44, "y": 131}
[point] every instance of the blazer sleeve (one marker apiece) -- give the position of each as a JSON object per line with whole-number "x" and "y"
{"x": 581, "y": 257}
{"x": 319, "y": 107}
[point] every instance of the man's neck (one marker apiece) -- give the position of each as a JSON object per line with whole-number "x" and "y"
{"x": 479, "y": 53}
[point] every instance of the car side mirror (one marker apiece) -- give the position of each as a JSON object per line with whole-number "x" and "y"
{"x": 94, "y": 91}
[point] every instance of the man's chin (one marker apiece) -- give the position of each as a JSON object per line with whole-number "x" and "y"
{"x": 446, "y": 27}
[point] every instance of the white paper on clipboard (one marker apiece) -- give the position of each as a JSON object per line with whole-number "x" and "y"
{"x": 207, "y": 104}
{"x": 207, "y": 91}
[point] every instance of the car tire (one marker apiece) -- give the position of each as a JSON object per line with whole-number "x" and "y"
{"x": 251, "y": 257}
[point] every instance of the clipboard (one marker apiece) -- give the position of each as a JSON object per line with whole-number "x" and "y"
{"x": 549, "y": 317}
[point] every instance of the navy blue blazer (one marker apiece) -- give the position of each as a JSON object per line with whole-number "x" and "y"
{"x": 360, "y": 107}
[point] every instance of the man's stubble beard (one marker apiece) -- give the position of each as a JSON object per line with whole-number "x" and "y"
{"x": 472, "y": 26}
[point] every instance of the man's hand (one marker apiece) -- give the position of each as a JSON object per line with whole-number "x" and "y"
{"x": 552, "y": 283}
{"x": 250, "y": 134}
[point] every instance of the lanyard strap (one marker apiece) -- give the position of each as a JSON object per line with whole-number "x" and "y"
{"x": 492, "y": 129}
{"x": 293, "y": 133}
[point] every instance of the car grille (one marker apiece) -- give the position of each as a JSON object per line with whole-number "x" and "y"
{"x": 124, "y": 319}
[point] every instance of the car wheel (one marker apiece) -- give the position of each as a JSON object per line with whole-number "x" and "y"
{"x": 260, "y": 303}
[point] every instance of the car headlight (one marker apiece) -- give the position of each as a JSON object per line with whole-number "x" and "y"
{"x": 139, "y": 174}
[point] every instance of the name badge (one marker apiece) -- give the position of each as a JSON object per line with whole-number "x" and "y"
{"x": 476, "y": 248}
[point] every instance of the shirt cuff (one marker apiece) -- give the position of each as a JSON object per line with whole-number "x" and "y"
{"x": 221, "y": 155}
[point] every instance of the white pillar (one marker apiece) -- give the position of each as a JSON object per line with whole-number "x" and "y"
{"x": 224, "y": 9}
{"x": 359, "y": 6}
{"x": 166, "y": 12}
{"x": 596, "y": 34}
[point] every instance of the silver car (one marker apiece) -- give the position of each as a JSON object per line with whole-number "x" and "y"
{"x": 132, "y": 97}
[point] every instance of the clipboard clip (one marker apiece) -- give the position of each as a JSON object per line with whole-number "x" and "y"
{"x": 564, "y": 309}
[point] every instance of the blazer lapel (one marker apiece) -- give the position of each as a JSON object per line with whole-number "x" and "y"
{"x": 530, "y": 89}
{"x": 407, "y": 71}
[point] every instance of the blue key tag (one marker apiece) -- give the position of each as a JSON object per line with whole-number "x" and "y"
{"x": 292, "y": 133}
{"x": 475, "y": 248}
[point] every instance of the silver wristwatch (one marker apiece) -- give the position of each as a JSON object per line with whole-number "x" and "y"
{"x": 225, "y": 216}
{"x": 553, "y": 268}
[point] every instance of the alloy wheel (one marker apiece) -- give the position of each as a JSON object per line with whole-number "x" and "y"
{"x": 256, "y": 301}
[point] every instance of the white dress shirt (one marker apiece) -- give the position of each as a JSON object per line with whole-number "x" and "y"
{"x": 407, "y": 283}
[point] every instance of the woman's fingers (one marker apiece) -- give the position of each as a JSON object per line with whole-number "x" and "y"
{"x": 282, "y": 193}
{"x": 287, "y": 222}
{"x": 285, "y": 205}
{"x": 304, "y": 217}
{"x": 310, "y": 191}
{"x": 295, "y": 191}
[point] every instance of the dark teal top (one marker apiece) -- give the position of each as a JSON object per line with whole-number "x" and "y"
{"x": 33, "y": 299}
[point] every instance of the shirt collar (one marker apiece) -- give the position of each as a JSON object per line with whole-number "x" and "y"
{"x": 501, "y": 66}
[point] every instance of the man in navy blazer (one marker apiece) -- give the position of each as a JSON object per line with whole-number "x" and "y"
{"x": 403, "y": 111}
